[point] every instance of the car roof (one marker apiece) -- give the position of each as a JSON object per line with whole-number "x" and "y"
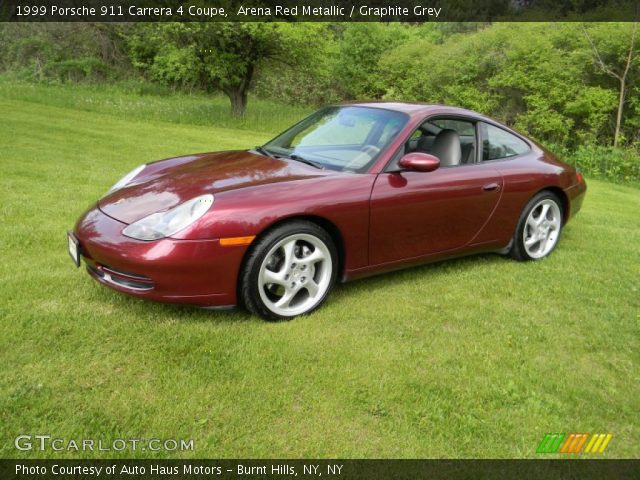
{"x": 418, "y": 109}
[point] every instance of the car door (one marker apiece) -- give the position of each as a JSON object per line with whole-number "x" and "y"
{"x": 416, "y": 214}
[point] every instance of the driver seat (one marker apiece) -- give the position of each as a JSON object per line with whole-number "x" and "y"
{"x": 446, "y": 147}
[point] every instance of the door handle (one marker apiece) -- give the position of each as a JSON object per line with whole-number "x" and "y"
{"x": 490, "y": 187}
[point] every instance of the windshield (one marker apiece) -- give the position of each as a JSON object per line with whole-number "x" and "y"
{"x": 340, "y": 138}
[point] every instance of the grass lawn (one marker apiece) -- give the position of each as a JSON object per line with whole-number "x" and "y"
{"x": 478, "y": 357}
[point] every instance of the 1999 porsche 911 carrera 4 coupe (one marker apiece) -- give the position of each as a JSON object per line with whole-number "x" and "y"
{"x": 350, "y": 191}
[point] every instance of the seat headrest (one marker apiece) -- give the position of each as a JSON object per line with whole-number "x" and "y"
{"x": 446, "y": 147}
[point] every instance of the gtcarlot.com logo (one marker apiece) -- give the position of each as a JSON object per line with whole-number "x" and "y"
{"x": 47, "y": 442}
{"x": 574, "y": 443}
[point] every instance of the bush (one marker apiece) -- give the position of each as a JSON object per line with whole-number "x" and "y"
{"x": 63, "y": 52}
{"x": 81, "y": 69}
{"x": 616, "y": 164}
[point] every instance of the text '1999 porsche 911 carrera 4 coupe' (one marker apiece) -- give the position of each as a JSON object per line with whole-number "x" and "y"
{"x": 350, "y": 191}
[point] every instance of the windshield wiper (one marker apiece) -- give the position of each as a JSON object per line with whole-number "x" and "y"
{"x": 298, "y": 158}
{"x": 263, "y": 151}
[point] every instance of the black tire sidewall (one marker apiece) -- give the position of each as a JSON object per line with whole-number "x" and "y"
{"x": 249, "y": 293}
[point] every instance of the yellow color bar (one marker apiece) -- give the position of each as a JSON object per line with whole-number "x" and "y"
{"x": 592, "y": 440}
{"x": 599, "y": 440}
{"x": 233, "y": 241}
{"x": 606, "y": 442}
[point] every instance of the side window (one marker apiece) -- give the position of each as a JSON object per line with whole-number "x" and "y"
{"x": 416, "y": 135}
{"x": 467, "y": 135}
{"x": 497, "y": 143}
{"x": 416, "y": 140}
{"x": 463, "y": 128}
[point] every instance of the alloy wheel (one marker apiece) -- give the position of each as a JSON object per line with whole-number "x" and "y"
{"x": 542, "y": 228}
{"x": 295, "y": 275}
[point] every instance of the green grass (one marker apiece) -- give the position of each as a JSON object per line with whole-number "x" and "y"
{"x": 146, "y": 102}
{"x": 478, "y": 357}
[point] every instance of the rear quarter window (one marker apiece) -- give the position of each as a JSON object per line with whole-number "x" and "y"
{"x": 498, "y": 143}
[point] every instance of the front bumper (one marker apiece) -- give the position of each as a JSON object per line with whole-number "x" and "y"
{"x": 199, "y": 272}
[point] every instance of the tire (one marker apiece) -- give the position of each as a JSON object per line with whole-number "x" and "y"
{"x": 537, "y": 236}
{"x": 289, "y": 271}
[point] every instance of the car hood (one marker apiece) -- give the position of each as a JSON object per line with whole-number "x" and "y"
{"x": 167, "y": 183}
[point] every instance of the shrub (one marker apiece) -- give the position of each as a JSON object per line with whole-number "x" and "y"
{"x": 81, "y": 69}
{"x": 616, "y": 164}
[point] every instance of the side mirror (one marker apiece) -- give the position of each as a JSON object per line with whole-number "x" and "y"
{"x": 419, "y": 162}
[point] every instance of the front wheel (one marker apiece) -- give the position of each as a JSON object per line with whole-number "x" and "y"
{"x": 289, "y": 272}
{"x": 538, "y": 229}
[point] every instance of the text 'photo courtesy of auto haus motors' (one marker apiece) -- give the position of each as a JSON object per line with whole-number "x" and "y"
{"x": 350, "y": 191}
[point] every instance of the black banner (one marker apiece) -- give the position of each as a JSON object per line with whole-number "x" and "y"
{"x": 328, "y": 469}
{"x": 316, "y": 10}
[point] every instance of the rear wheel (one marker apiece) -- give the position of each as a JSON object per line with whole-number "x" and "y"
{"x": 289, "y": 272}
{"x": 538, "y": 229}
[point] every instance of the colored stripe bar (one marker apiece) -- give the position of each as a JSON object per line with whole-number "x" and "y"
{"x": 580, "y": 443}
{"x": 573, "y": 443}
{"x": 592, "y": 440}
{"x": 550, "y": 443}
{"x": 605, "y": 442}
{"x": 599, "y": 440}
{"x": 568, "y": 443}
{"x": 557, "y": 443}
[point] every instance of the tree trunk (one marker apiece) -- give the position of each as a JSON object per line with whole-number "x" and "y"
{"x": 622, "y": 77}
{"x": 238, "y": 98}
{"x": 238, "y": 93}
{"x": 616, "y": 135}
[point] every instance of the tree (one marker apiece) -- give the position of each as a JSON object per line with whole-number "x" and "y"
{"x": 307, "y": 75}
{"x": 214, "y": 56}
{"x": 360, "y": 49}
{"x": 537, "y": 77}
{"x": 231, "y": 52}
{"x": 617, "y": 63}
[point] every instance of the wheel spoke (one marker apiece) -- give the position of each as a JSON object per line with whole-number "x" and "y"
{"x": 532, "y": 224}
{"x": 543, "y": 245}
{"x": 269, "y": 277}
{"x": 289, "y": 253}
{"x": 531, "y": 240}
{"x": 285, "y": 300}
{"x": 314, "y": 257}
{"x": 312, "y": 287}
{"x": 543, "y": 213}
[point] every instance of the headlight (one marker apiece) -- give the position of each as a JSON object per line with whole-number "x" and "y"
{"x": 126, "y": 179}
{"x": 164, "y": 224}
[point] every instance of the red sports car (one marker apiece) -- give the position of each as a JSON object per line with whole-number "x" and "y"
{"x": 350, "y": 191}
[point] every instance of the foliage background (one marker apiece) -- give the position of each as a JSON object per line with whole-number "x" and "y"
{"x": 541, "y": 78}
{"x": 403, "y": 365}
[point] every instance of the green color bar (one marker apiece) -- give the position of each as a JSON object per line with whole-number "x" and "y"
{"x": 550, "y": 443}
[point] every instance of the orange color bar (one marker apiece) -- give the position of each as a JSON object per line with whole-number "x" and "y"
{"x": 576, "y": 440}
{"x": 578, "y": 446}
{"x": 234, "y": 241}
{"x": 565, "y": 446}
